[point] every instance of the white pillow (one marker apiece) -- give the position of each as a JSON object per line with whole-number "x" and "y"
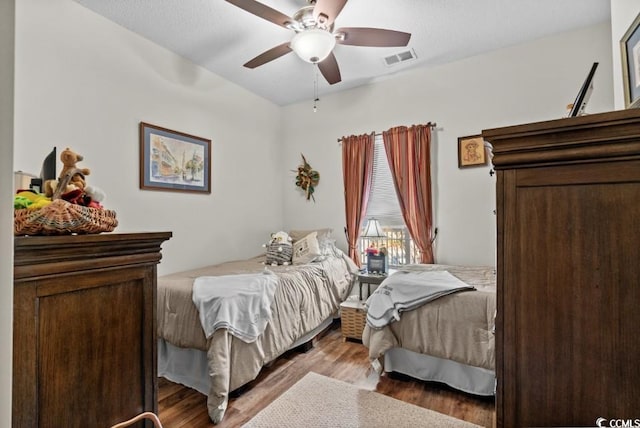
{"x": 306, "y": 249}
{"x": 299, "y": 234}
{"x": 328, "y": 247}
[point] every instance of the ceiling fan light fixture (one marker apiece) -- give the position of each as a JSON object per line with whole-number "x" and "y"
{"x": 313, "y": 45}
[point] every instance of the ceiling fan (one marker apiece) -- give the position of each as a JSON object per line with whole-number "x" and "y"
{"x": 315, "y": 38}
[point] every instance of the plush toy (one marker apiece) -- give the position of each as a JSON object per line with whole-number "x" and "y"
{"x": 77, "y": 191}
{"x": 31, "y": 200}
{"x": 69, "y": 160}
{"x": 95, "y": 193}
{"x": 279, "y": 249}
{"x": 280, "y": 238}
{"x": 50, "y": 187}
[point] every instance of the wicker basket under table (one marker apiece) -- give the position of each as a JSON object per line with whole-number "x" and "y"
{"x": 353, "y": 317}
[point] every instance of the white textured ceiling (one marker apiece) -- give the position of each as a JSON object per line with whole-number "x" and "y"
{"x": 221, "y": 37}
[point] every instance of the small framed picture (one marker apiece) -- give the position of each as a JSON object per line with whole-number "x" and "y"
{"x": 471, "y": 151}
{"x": 174, "y": 161}
{"x": 630, "y": 52}
{"x": 376, "y": 263}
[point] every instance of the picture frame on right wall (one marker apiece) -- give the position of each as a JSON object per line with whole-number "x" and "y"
{"x": 471, "y": 151}
{"x": 630, "y": 53}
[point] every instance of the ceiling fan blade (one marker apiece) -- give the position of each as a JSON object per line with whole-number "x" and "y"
{"x": 270, "y": 55}
{"x": 263, "y": 11}
{"x": 374, "y": 37}
{"x": 326, "y": 11}
{"x": 329, "y": 69}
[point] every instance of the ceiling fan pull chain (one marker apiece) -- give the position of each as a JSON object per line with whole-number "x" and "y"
{"x": 315, "y": 89}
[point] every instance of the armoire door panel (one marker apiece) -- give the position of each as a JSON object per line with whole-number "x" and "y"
{"x": 565, "y": 266}
{"x": 87, "y": 351}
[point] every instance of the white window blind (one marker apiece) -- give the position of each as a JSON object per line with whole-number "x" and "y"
{"x": 383, "y": 202}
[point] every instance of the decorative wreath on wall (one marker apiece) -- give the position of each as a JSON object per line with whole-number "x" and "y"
{"x": 307, "y": 179}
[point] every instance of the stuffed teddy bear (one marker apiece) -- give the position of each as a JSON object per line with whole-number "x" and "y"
{"x": 69, "y": 160}
{"x": 279, "y": 249}
{"x": 77, "y": 191}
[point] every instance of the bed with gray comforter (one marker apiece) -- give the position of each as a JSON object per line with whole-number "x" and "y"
{"x": 457, "y": 327}
{"x": 305, "y": 297}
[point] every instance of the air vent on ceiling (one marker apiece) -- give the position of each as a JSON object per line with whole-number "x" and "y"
{"x": 400, "y": 57}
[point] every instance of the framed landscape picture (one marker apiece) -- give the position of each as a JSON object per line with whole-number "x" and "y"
{"x": 174, "y": 161}
{"x": 630, "y": 53}
{"x": 471, "y": 151}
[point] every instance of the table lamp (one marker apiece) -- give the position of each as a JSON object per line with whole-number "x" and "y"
{"x": 376, "y": 260}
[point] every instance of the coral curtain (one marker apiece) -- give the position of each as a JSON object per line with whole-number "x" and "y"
{"x": 357, "y": 168}
{"x": 409, "y": 154}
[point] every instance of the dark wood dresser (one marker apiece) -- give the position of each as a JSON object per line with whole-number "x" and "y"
{"x": 84, "y": 332}
{"x": 568, "y": 324}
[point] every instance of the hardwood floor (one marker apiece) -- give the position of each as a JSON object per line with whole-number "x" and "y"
{"x": 331, "y": 356}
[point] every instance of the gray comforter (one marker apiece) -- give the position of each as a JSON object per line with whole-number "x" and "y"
{"x": 305, "y": 296}
{"x": 457, "y": 327}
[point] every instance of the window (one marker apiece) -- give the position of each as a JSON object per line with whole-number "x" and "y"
{"x": 384, "y": 206}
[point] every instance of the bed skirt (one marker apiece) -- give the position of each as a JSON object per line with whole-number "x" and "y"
{"x": 473, "y": 380}
{"x": 189, "y": 367}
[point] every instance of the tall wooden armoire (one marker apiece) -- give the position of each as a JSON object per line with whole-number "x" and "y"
{"x": 568, "y": 321}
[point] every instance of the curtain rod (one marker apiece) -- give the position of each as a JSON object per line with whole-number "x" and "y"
{"x": 377, "y": 134}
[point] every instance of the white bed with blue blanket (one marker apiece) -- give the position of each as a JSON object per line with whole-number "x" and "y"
{"x": 219, "y": 325}
{"x": 436, "y": 323}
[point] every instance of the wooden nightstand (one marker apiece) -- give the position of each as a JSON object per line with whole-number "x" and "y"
{"x": 369, "y": 278}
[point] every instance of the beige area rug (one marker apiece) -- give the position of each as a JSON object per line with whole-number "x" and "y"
{"x": 318, "y": 401}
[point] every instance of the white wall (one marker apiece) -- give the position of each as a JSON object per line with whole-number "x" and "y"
{"x": 520, "y": 84}
{"x": 7, "y": 21}
{"x": 84, "y": 82}
{"x": 623, "y": 12}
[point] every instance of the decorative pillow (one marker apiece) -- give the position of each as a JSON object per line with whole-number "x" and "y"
{"x": 328, "y": 247}
{"x": 299, "y": 234}
{"x": 279, "y": 253}
{"x": 306, "y": 249}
